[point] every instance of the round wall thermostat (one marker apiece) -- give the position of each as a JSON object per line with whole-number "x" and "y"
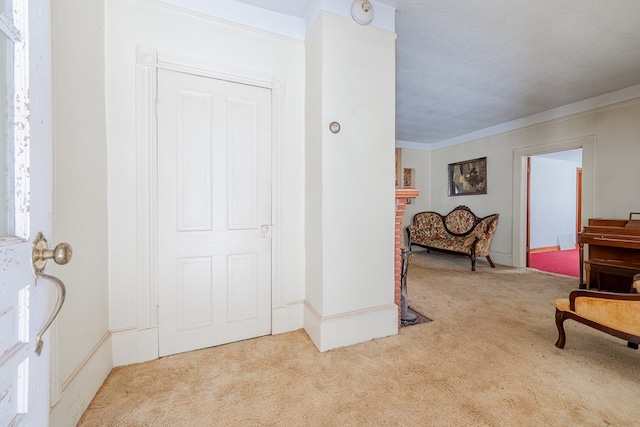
{"x": 334, "y": 127}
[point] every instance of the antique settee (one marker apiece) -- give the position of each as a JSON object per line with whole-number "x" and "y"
{"x": 459, "y": 232}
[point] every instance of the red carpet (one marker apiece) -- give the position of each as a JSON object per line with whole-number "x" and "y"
{"x": 561, "y": 262}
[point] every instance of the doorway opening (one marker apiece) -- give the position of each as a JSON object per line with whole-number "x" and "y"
{"x": 554, "y": 211}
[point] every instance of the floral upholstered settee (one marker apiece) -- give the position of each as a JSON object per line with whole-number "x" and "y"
{"x": 460, "y": 231}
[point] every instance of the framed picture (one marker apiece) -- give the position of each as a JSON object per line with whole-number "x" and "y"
{"x": 409, "y": 178}
{"x": 468, "y": 177}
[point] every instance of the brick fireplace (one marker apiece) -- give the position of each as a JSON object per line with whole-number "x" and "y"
{"x": 402, "y": 195}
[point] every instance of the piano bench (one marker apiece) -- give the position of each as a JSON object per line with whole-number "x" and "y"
{"x": 609, "y": 266}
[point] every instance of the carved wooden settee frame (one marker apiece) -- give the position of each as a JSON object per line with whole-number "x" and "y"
{"x": 458, "y": 232}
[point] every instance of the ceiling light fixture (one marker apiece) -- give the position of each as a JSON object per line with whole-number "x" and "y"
{"x": 362, "y": 12}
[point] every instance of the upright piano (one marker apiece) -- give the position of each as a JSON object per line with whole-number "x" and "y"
{"x": 613, "y": 253}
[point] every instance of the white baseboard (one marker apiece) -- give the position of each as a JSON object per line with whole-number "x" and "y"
{"x": 82, "y": 385}
{"x": 350, "y": 328}
{"x": 500, "y": 258}
{"x": 134, "y": 346}
{"x": 289, "y": 318}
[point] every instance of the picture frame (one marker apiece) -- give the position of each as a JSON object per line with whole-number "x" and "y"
{"x": 409, "y": 178}
{"x": 468, "y": 177}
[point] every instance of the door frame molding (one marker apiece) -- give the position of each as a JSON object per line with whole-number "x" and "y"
{"x": 519, "y": 199}
{"x": 148, "y": 62}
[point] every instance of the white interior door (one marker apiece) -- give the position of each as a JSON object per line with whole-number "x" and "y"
{"x": 214, "y": 212}
{"x": 25, "y": 209}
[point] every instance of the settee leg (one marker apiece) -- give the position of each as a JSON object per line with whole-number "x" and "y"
{"x": 632, "y": 345}
{"x": 562, "y": 338}
{"x": 490, "y": 262}
{"x": 473, "y": 264}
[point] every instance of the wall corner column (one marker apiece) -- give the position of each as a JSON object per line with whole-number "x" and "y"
{"x": 350, "y": 204}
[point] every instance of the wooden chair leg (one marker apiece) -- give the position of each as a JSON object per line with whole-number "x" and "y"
{"x": 490, "y": 262}
{"x": 562, "y": 338}
{"x": 473, "y": 257}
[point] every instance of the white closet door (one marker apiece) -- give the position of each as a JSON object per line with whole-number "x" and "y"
{"x": 214, "y": 211}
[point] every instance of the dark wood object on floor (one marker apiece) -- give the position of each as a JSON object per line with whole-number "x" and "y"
{"x": 616, "y": 314}
{"x": 608, "y": 266}
{"x": 613, "y": 252}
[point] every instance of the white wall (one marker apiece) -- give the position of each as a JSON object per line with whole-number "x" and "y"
{"x": 552, "y": 202}
{"x": 314, "y": 233}
{"x": 210, "y": 41}
{"x": 82, "y": 354}
{"x": 350, "y": 183}
{"x": 611, "y": 135}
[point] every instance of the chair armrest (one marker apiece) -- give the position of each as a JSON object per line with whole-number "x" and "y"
{"x": 487, "y": 227}
{"x": 483, "y": 234}
{"x": 599, "y": 295}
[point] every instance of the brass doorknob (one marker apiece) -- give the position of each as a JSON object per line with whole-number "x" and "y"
{"x": 61, "y": 254}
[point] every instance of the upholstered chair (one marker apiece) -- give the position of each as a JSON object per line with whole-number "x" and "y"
{"x": 617, "y": 314}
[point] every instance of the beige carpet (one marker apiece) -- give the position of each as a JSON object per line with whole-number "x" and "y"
{"x": 487, "y": 359}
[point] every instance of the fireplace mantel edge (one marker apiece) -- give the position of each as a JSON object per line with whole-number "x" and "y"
{"x": 407, "y": 193}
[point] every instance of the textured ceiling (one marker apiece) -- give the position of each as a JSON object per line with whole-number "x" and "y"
{"x": 467, "y": 65}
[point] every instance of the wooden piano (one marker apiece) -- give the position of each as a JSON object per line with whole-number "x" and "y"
{"x": 613, "y": 254}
